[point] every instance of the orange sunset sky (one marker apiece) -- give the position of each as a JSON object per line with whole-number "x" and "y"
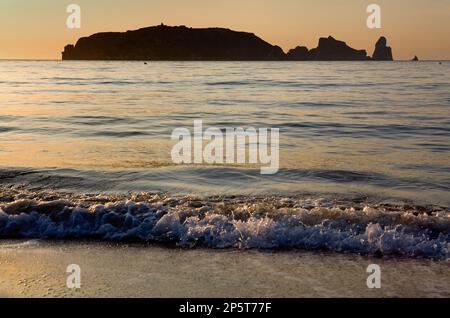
{"x": 32, "y": 29}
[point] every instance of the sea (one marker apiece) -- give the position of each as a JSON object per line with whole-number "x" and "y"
{"x": 364, "y": 149}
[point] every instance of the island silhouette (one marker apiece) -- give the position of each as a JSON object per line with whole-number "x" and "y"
{"x": 181, "y": 43}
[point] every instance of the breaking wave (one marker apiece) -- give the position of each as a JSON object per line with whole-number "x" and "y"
{"x": 229, "y": 222}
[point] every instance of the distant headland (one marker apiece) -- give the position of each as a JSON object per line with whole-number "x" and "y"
{"x": 181, "y": 43}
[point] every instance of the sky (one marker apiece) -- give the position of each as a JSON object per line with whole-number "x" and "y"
{"x": 36, "y": 29}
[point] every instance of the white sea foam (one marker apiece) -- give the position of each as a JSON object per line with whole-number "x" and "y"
{"x": 230, "y": 222}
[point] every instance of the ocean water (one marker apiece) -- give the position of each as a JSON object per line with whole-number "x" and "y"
{"x": 364, "y": 154}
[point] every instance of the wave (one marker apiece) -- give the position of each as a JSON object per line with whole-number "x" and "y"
{"x": 225, "y": 180}
{"x": 219, "y": 222}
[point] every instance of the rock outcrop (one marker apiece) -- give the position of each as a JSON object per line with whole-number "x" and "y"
{"x": 330, "y": 49}
{"x": 382, "y": 51}
{"x": 415, "y": 58}
{"x": 300, "y": 53}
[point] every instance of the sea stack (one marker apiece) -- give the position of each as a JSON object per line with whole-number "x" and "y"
{"x": 415, "y": 59}
{"x": 382, "y": 51}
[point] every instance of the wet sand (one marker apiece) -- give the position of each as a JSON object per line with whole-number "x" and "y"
{"x": 38, "y": 269}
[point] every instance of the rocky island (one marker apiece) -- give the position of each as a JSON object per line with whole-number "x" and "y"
{"x": 181, "y": 43}
{"x": 382, "y": 51}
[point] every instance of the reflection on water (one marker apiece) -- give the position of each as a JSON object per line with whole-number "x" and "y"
{"x": 374, "y": 119}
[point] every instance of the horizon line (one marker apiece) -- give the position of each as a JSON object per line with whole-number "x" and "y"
{"x": 61, "y": 60}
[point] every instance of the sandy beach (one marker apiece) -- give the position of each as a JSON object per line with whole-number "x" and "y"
{"x": 38, "y": 269}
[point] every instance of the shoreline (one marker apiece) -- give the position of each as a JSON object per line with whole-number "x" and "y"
{"x": 38, "y": 269}
{"x": 222, "y": 222}
{"x": 217, "y": 61}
